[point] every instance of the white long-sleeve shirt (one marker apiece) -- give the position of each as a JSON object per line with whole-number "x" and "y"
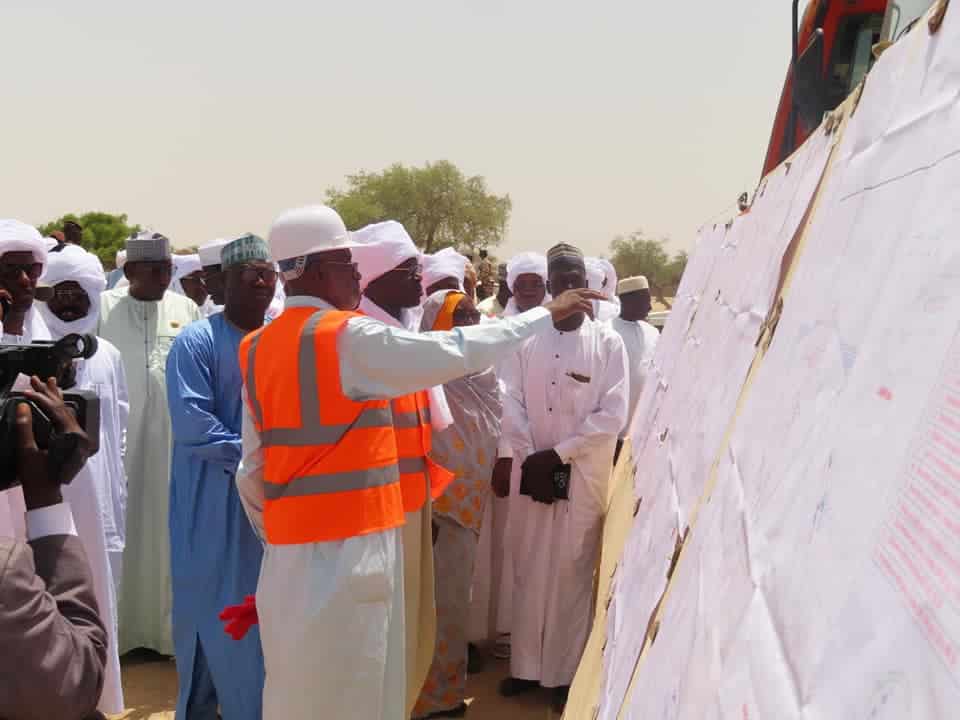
{"x": 378, "y": 361}
{"x": 640, "y": 339}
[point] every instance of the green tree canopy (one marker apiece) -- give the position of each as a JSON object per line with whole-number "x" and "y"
{"x": 437, "y": 204}
{"x": 103, "y": 234}
{"x": 636, "y": 254}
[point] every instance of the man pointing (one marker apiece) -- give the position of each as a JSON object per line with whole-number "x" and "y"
{"x": 320, "y": 477}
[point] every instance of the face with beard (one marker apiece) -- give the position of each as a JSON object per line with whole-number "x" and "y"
{"x": 70, "y": 301}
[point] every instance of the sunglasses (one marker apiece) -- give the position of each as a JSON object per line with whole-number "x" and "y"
{"x": 250, "y": 274}
{"x": 11, "y": 271}
{"x": 352, "y": 266}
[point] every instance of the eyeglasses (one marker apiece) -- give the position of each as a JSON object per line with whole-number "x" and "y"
{"x": 250, "y": 274}
{"x": 352, "y": 266}
{"x": 12, "y": 271}
{"x": 413, "y": 271}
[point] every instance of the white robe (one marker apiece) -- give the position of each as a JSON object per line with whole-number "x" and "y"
{"x": 143, "y": 333}
{"x": 640, "y": 339}
{"x": 97, "y": 497}
{"x": 555, "y": 547}
{"x": 332, "y": 614}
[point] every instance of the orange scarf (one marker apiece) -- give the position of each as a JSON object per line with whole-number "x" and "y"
{"x": 444, "y": 319}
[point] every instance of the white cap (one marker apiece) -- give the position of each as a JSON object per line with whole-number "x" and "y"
{"x": 210, "y": 252}
{"x": 632, "y": 284}
{"x": 307, "y": 230}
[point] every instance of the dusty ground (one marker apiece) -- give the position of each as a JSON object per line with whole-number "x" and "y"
{"x": 150, "y": 690}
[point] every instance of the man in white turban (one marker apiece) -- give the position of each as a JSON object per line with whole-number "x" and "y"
{"x": 143, "y": 320}
{"x": 602, "y": 277}
{"x": 444, "y": 270}
{"x": 98, "y": 494}
{"x": 392, "y": 285}
{"x": 23, "y": 255}
{"x": 188, "y": 280}
{"x": 209, "y": 255}
{"x": 526, "y": 278}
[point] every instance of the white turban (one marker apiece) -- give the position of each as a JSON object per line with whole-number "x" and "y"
{"x": 16, "y": 236}
{"x": 73, "y": 263}
{"x": 595, "y": 273}
{"x": 381, "y": 247}
{"x": 610, "y": 273}
{"x": 183, "y": 265}
{"x": 526, "y": 263}
{"x": 446, "y": 263}
{"x": 210, "y": 253}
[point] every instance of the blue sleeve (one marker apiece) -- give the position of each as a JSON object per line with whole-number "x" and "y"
{"x": 190, "y": 397}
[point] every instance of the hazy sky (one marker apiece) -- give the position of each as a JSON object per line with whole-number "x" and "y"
{"x": 206, "y": 119}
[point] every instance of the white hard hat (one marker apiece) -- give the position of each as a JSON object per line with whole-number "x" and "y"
{"x": 307, "y": 230}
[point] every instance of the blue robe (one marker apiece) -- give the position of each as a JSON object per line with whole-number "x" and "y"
{"x": 214, "y": 554}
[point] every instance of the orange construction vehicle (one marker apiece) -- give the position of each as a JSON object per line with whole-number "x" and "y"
{"x": 832, "y": 53}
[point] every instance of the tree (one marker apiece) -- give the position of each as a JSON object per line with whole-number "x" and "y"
{"x": 103, "y": 234}
{"x": 636, "y": 254}
{"x": 437, "y": 204}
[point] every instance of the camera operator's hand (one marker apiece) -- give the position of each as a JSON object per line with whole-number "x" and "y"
{"x": 6, "y": 300}
{"x": 41, "y": 478}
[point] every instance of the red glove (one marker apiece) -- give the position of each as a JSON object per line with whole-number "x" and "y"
{"x": 238, "y": 619}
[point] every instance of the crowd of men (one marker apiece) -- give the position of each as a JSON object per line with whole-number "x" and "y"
{"x": 334, "y": 471}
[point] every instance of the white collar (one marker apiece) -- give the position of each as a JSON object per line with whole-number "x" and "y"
{"x": 371, "y": 309}
{"x": 295, "y": 301}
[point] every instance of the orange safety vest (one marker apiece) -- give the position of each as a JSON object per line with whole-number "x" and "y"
{"x": 330, "y": 464}
{"x": 418, "y": 471}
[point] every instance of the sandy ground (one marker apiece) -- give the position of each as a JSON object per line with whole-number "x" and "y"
{"x": 150, "y": 690}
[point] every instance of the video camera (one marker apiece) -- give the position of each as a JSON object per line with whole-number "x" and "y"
{"x": 46, "y": 360}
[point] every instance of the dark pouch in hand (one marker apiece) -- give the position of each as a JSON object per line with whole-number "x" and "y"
{"x": 561, "y": 482}
{"x": 538, "y": 488}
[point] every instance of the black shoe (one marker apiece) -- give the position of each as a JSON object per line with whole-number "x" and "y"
{"x": 559, "y": 699}
{"x": 475, "y": 661}
{"x": 515, "y": 686}
{"x": 459, "y": 711}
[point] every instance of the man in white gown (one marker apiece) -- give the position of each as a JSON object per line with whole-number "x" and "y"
{"x": 639, "y": 337}
{"x": 525, "y": 279}
{"x": 23, "y": 255}
{"x": 98, "y": 494}
{"x": 142, "y": 320}
{"x": 565, "y": 402}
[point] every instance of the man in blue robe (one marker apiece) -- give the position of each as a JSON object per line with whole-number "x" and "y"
{"x": 214, "y": 554}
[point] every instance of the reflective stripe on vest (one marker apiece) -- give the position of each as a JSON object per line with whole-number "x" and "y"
{"x": 331, "y": 468}
{"x": 420, "y": 475}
